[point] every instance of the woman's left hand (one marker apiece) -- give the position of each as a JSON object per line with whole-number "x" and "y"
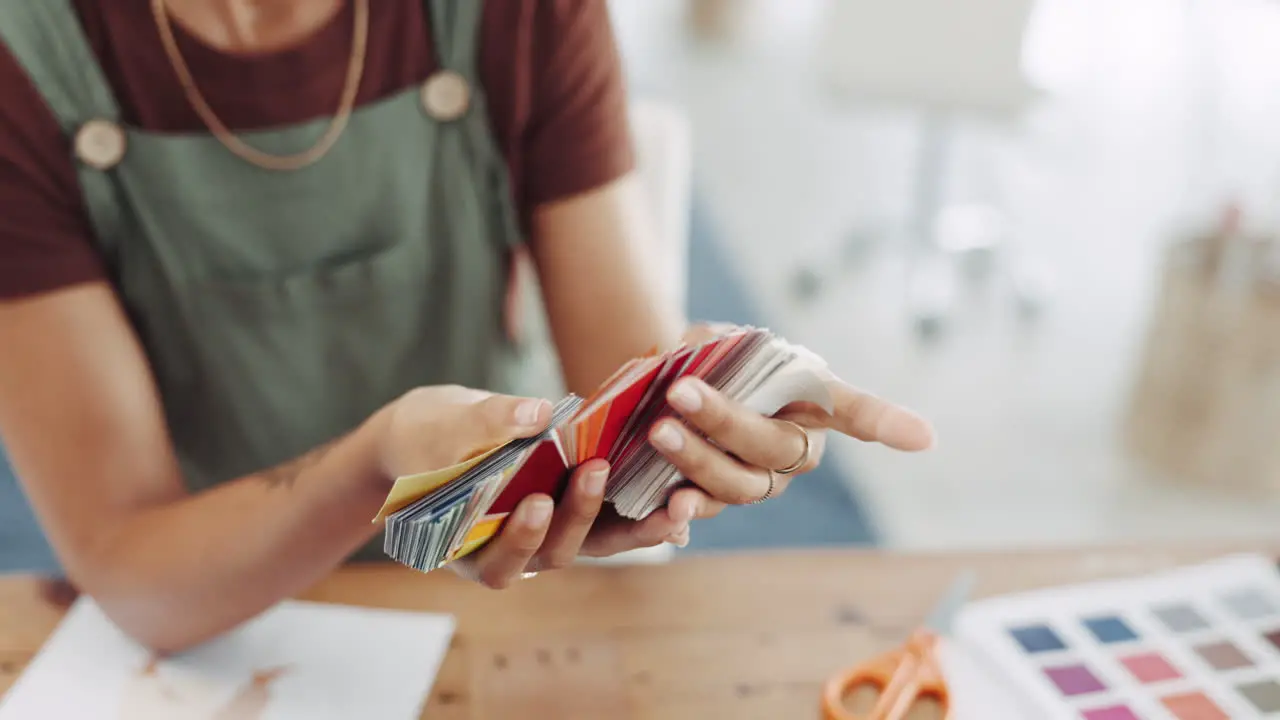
{"x": 755, "y": 457}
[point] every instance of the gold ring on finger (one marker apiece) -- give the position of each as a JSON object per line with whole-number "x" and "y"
{"x": 773, "y": 481}
{"x": 804, "y": 455}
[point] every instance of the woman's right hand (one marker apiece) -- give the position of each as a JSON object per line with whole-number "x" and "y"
{"x": 438, "y": 426}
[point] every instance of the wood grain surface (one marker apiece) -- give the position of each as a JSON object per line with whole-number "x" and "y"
{"x": 730, "y": 636}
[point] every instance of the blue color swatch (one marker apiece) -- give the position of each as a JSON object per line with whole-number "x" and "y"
{"x": 1110, "y": 629}
{"x": 1038, "y": 639}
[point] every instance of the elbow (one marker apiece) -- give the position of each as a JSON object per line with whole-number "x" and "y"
{"x": 162, "y": 642}
{"x": 145, "y": 612}
{"x": 168, "y": 633}
{"x": 148, "y": 618}
{"x": 156, "y": 625}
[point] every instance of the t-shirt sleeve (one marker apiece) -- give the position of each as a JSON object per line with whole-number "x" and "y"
{"x": 578, "y": 136}
{"x": 45, "y": 238}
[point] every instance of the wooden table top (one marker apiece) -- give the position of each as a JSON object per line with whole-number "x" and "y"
{"x": 740, "y": 635}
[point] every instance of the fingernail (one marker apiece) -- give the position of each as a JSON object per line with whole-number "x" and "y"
{"x": 594, "y": 484}
{"x": 906, "y": 429}
{"x": 538, "y": 512}
{"x": 679, "y": 538}
{"x": 689, "y": 513}
{"x": 668, "y": 438}
{"x": 527, "y": 412}
{"x": 685, "y": 397}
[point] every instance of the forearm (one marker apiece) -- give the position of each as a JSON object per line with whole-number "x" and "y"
{"x": 587, "y": 362}
{"x": 597, "y": 260}
{"x": 180, "y": 573}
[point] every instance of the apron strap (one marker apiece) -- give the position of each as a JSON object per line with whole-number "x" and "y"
{"x": 47, "y": 40}
{"x": 456, "y": 35}
{"x": 456, "y": 29}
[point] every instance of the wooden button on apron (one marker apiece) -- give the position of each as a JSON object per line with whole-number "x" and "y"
{"x": 446, "y": 95}
{"x": 100, "y": 144}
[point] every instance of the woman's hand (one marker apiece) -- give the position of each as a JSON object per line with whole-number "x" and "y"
{"x": 541, "y": 536}
{"x": 751, "y": 457}
{"x": 440, "y": 426}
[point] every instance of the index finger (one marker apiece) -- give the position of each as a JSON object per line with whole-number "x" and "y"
{"x": 865, "y": 417}
{"x": 506, "y": 556}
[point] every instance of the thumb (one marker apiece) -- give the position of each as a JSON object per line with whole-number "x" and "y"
{"x": 436, "y": 427}
{"x": 497, "y": 419}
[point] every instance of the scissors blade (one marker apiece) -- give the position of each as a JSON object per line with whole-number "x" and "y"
{"x": 955, "y": 598}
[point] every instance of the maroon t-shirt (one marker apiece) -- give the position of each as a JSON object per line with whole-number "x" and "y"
{"x": 550, "y": 71}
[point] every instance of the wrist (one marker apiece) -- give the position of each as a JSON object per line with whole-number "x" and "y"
{"x": 355, "y": 461}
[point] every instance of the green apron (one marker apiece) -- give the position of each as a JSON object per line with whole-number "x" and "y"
{"x": 280, "y": 309}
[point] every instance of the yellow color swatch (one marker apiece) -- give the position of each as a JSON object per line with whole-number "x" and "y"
{"x": 413, "y": 487}
{"x": 480, "y": 534}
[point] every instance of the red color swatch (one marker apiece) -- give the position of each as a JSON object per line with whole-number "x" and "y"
{"x": 1151, "y": 668}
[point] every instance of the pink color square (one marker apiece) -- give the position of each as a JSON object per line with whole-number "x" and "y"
{"x": 1150, "y": 668}
{"x": 1074, "y": 680}
{"x": 1116, "y": 712}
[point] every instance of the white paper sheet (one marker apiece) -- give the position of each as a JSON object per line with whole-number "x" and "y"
{"x": 976, "y": 692}
{"x": 297, "y": 660}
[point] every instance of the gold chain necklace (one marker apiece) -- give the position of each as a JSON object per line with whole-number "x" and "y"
{"x": 224, "y": 135}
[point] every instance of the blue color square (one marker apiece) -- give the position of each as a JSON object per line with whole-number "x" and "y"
{"x": 1110, "y": 629}
{"x": 1038, "y": 639}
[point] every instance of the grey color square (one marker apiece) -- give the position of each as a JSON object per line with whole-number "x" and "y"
{"x": 1265, "y": 695}
{"x": 1180, "y": 618}
{"x": 1223, "y": 656}
{"x": 1249, "y": 604}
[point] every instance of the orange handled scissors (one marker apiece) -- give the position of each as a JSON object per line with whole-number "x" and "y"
{"x": 903, "y": 680}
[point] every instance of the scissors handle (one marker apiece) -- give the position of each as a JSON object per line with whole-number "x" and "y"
{"x": 901, "y": 677}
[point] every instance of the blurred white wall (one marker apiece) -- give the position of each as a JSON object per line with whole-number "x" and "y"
{"x": 1153, "y": 112}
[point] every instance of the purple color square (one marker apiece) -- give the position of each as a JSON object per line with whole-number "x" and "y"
{"x": 1115, "y": 712}
{"x": 1074, "y": 680}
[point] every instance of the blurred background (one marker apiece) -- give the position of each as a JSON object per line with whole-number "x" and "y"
{"x": 1048, "y": 225}
{"x": 1045, "y": 224}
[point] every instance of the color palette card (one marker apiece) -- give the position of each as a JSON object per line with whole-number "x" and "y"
{"x": 1200, "y": 643}
{"x": 439, "y": 516}
{"x": 297, "y": 660}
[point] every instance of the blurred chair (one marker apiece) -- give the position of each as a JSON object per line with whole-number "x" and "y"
{"x": 664, "y": 157}
{"x": 947, "y": 61}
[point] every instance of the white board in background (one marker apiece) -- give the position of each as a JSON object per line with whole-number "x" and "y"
{"x": 311, "y": 660}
